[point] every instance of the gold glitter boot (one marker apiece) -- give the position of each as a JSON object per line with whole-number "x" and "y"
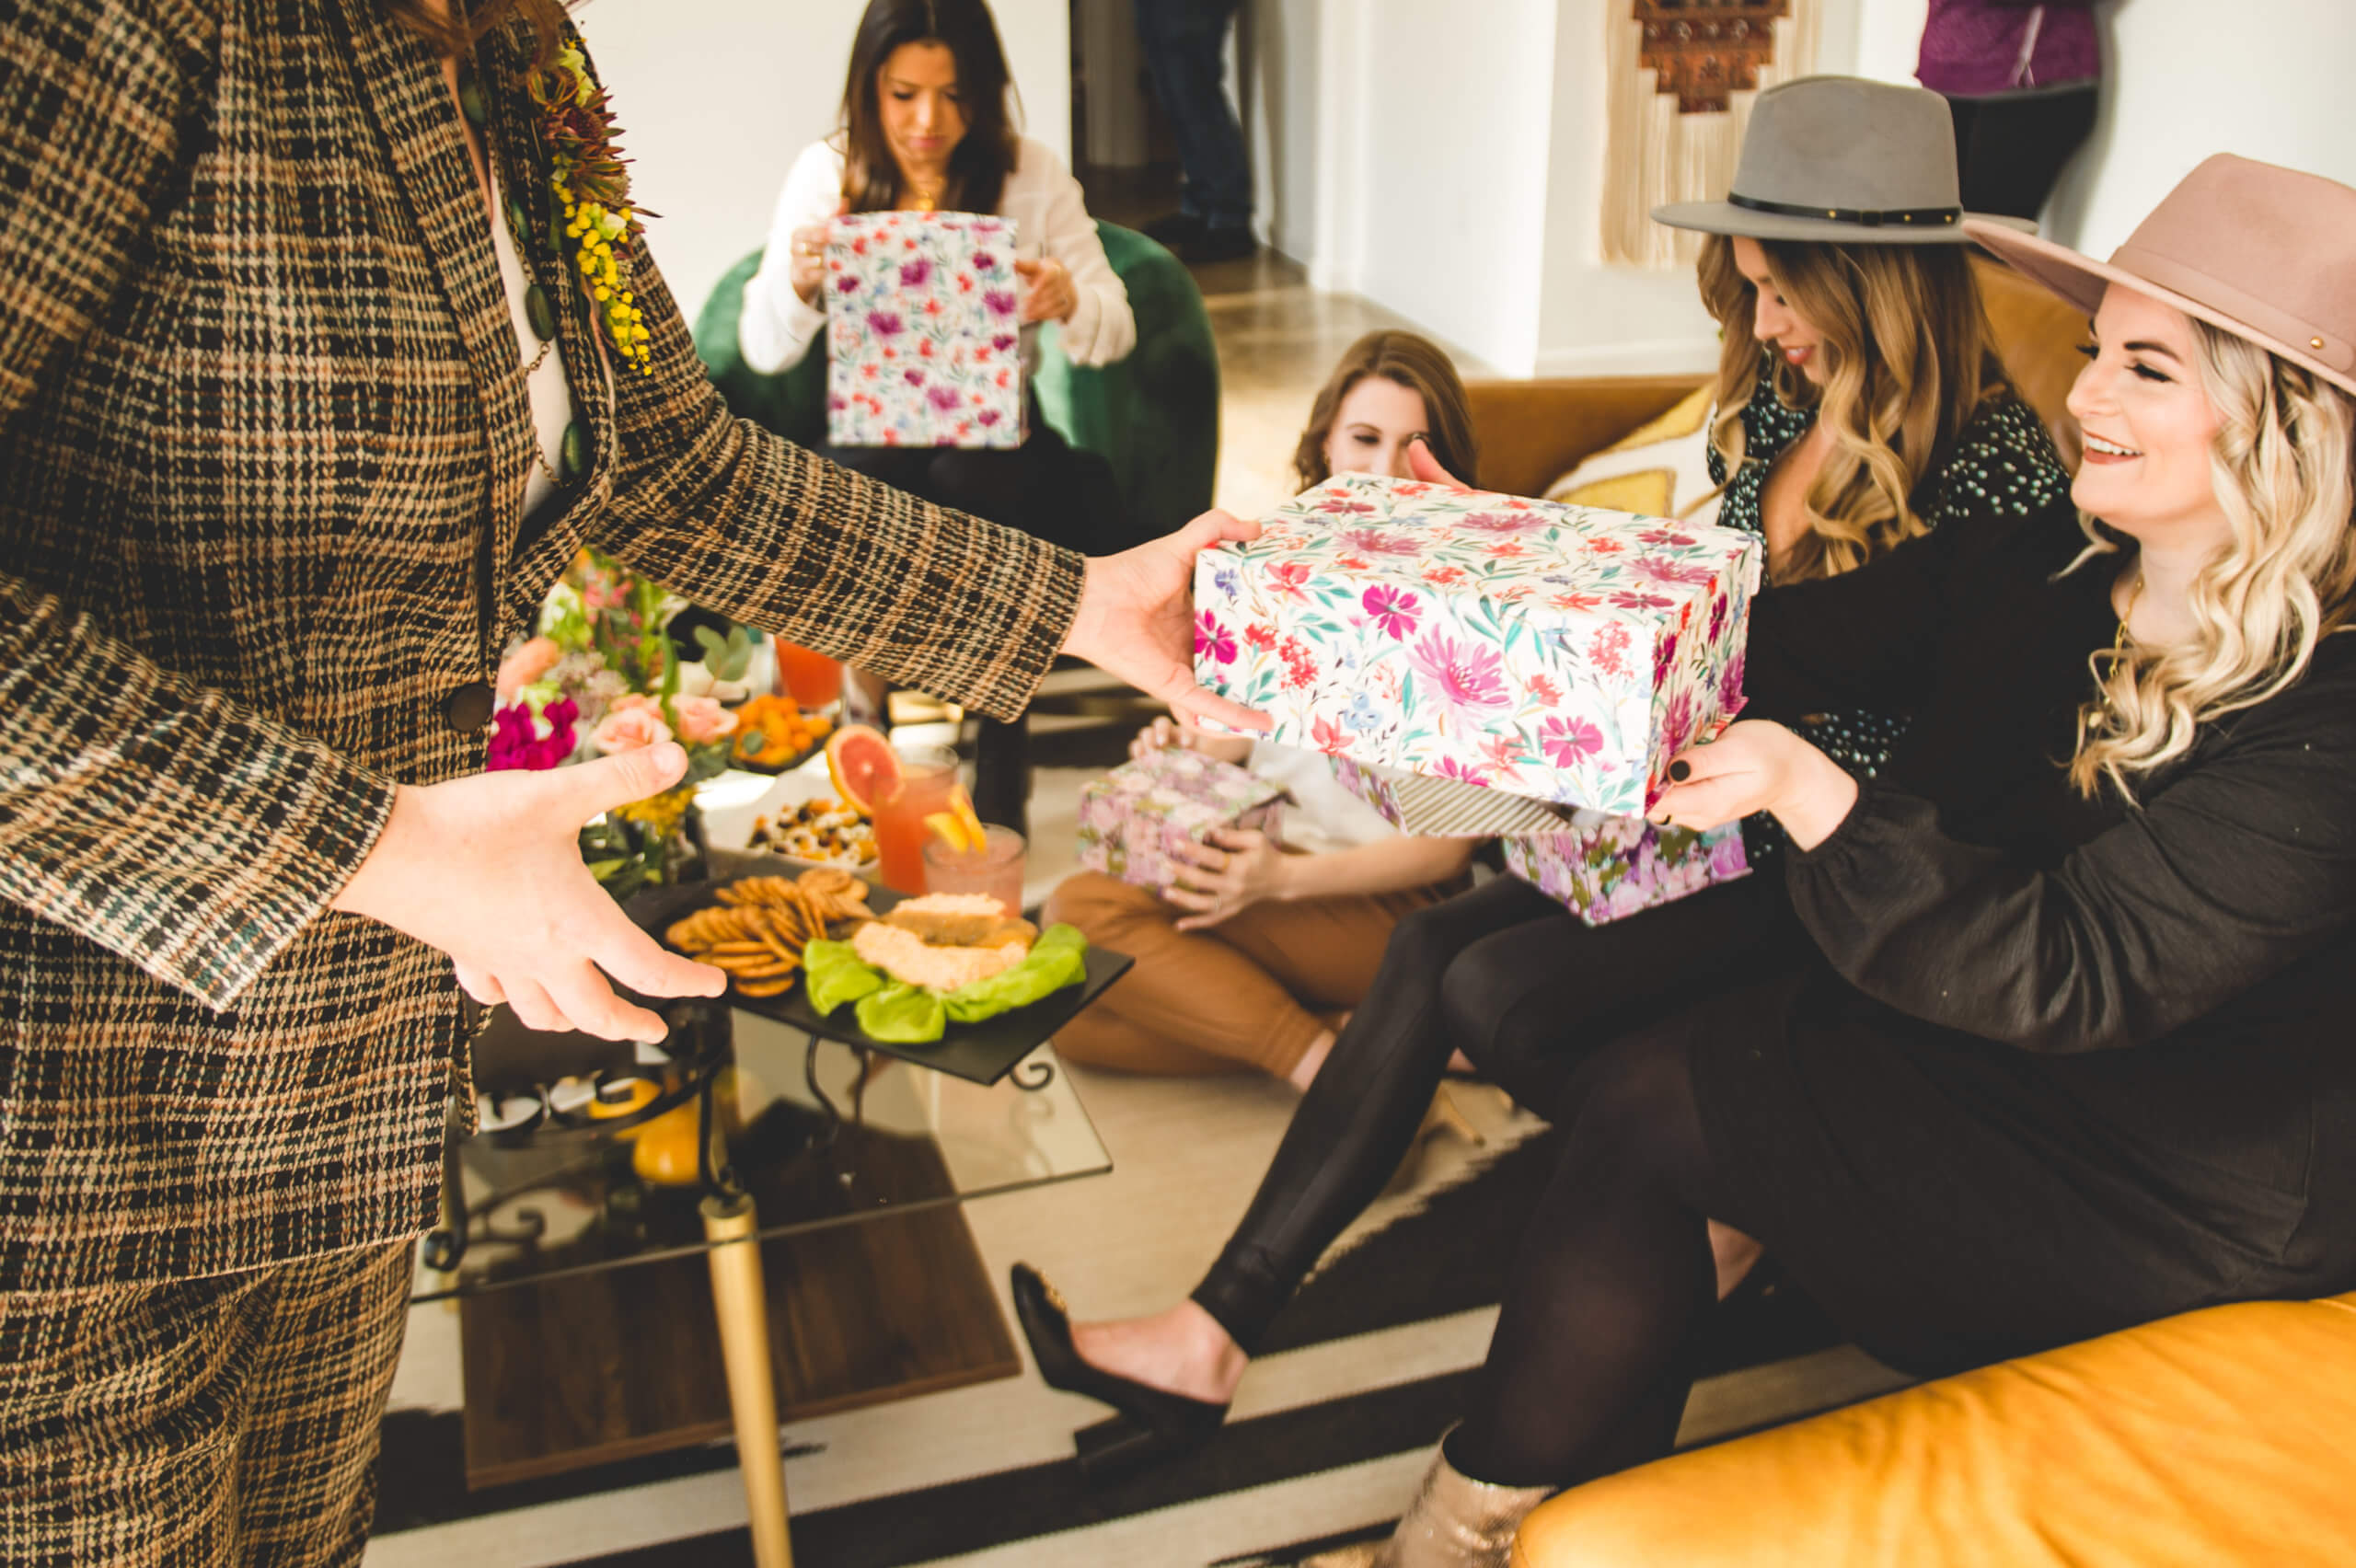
{"x": 1456, "y": 1522}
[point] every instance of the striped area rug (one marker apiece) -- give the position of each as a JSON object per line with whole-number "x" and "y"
{"x": 1329, "y": 1434}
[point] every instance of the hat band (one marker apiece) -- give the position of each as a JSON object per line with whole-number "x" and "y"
{"x": 1867, "y": 217}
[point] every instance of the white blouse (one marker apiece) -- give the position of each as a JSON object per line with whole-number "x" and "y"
{"x": 775, "y": 329}
{"x": 544, "y": 388}
{"x": 1324, "y": 815}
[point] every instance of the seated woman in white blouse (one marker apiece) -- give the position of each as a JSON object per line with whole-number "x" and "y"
{"x": 926, "y": 126}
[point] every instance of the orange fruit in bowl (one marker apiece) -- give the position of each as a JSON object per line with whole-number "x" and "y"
{"x": 864, "y": 768}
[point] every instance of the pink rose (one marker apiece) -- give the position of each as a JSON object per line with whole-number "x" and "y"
{"x": 527, "y": 664}
{"x": 632, "y": 722}
{"x": 703, "y": 720}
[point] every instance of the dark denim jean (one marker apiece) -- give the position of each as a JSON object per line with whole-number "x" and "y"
{"x": 1183, "y": 42}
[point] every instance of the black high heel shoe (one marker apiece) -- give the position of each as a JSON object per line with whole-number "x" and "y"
{"x": 1154, "y": 1424}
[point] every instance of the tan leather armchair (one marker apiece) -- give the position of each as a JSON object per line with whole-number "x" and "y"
{"x": 2224, "y": 1438}
{"x": 1531, "y": 433}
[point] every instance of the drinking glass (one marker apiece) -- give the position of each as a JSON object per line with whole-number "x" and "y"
{"x": 995, "y": 869}
{"x": 927, "y": 777}
{"x": 813, "y": 680}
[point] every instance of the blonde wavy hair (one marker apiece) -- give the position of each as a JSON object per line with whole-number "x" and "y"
{"x": 1908, "y": 358}
{"x": 2283, "y": 466}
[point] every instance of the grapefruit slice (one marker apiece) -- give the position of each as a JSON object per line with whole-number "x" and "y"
{"x": 864, "y": 767}
{"x": 958, "y": 827}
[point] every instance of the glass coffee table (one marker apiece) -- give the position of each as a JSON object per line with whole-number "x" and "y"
{"x": 603, "y": 1175}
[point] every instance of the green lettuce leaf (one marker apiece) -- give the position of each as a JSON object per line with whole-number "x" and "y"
{"x": 833, "y": 974}
{"x": 1056, "y": 960}
{"x": 903, "y": 1014}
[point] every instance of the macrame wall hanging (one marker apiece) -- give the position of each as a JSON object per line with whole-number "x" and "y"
{"x": 1680, "y": 77}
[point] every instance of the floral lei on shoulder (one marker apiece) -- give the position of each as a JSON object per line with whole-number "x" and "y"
{"x": 591, "y": 183}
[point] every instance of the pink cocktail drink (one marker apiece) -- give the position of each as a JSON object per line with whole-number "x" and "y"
{"x": 995, "y": 869}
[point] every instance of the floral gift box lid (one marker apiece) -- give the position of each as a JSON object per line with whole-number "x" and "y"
{"x": 1562, "y": 653}
{"x": 923, "y": 331}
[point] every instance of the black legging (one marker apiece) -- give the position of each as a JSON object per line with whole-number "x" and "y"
{"x": 1593, "y": 1353}
{"x": 1527, "y": 992}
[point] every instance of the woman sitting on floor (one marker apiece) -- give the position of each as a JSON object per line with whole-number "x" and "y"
{"x": 1830, "y": 340}
{"x": 1260, "y": 951}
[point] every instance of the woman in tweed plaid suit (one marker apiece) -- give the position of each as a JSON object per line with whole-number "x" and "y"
{"x": 267, "y": 444}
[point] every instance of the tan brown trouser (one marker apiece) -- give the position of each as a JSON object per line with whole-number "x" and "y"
{"x": 1254, "y": 991}
{"x": 205, "y": 1423}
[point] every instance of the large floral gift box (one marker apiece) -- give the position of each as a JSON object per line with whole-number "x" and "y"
{"x": 1604, "y": 867}
{"x": 1562, "y": 653}
{"x": 923, "y": 331}
{"x": 1132, "y": 820}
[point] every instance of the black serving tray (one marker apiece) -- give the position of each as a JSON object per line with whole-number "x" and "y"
{"x": 982, "y": 1053}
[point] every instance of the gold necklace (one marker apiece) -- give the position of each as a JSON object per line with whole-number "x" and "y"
{"x": 926, "y": 200}
{"x": 2119, "y": 644}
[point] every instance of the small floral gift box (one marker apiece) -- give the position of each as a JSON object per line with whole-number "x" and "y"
{"x": 1132, "y": 819}
{"x": 1562, "y": 653}
{"x": 923, "y": 331}
{"x": 1602, "y": 868}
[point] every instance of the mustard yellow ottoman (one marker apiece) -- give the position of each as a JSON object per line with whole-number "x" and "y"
{"x": 2224, "y": 1436}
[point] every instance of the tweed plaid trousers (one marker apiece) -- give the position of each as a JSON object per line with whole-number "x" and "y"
{"x": 229, "y": 1420}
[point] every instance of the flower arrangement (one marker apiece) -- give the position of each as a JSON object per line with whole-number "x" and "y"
{"x": 592, "y": 188}
{"x": 603, "y": 676}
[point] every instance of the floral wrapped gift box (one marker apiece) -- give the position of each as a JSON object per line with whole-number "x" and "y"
{"x": 1603, "y": 868}
{"x": 1557, "y": 652}
{"x": 1132, "y": 819}
{"x": 923, "y": 331}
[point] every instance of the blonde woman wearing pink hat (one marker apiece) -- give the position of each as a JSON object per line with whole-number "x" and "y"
{"x": 2067, "y": 1050}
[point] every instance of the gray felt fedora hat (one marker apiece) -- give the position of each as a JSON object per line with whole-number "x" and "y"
{"x": 1838, "y": 158}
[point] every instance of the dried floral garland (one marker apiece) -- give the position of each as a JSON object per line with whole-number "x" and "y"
{"x": 591, "y": 184}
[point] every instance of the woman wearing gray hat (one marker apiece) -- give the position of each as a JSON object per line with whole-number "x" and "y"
{"x": 2067, "y": 1051}
{"x": 1860, "y": 404}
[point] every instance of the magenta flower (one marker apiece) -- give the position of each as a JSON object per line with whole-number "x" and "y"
{"x": 987, "y": 418}
{"x": 1730, "y": 687}
{"x": 1567, "y": 742}
{"x": 983, "y": 261}
{"x": 1673, "y": 571}
{"x": 915, "y": 274}
{"x": 1502, "y": 523}
{"x": 1374, "y": 541}
{"x": 1451, "y": 769}
{"x": 1466, "y": 679}
{"x": 1001, "y": 301}
{"x": 915, "y": 376}
{"x": 1676, "y": 723}
{"x": 516, "y": 741}
{"x": 943, "y": 397}
{"x": 847, "y": 284}
{"x": 885, "y": 323}
{"x": 1341, "y": 508}
{"x": 1718, "y": 616}
{"x": 1002, "y": 342}
{"x": 1213, "y": 639}
{"x": 1394, "y": 609}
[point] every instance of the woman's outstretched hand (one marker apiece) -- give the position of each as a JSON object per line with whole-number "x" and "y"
{"x": 1757, "y": 766}
{"x": 488, "y": 869}
{"x": 1137, "y": 619}
{"x": 1424, "y": 467}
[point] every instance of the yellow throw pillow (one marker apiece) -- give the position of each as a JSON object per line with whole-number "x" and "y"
{"x": 1659, "y": 469}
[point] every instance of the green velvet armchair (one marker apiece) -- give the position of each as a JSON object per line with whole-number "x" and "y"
{"x": 1154, "y": 415}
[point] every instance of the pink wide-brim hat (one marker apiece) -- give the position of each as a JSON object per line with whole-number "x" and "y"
{"x": 2267, "y": 254}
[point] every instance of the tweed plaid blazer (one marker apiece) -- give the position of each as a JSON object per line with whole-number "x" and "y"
{"x": 262, "y": 463}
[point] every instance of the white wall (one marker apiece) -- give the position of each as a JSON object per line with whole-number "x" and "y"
{"x": 715, "y": 98}
{"x": 2184, "y": 78}
{"x": 2188, "y": 78}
